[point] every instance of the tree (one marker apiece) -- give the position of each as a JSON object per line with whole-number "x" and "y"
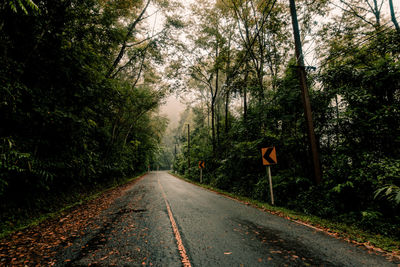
{"x": 354, "y": 95}
{"x": 71, "y": 123}
{"x": 393, "y": 16}
{"x": 362, "y": 8}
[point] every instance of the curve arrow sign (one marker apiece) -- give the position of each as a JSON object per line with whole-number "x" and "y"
{"x": 269, "y": 155}
{"x": 202, "y": 164}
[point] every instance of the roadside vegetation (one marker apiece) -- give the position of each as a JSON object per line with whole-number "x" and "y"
{"x": 59, "y": 205}
{"x": 79, "y": 93}
{"x": 246, "y": 95}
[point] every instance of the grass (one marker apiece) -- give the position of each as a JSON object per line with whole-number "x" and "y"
{"x": 341, "y": 230}
{"x": 66, "y": 202}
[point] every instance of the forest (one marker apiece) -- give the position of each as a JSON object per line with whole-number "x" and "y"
{"x": 79, "y": 92}
{"x": 82, "y": 83}
{"x": 243, "y": 77}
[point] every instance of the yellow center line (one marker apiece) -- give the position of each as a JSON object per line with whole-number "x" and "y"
{"x": 181, "y": 248}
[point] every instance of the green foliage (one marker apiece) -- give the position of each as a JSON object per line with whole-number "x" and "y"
{"x": 67, "y": 125}
{"x": 356, "y": 112}
{"x": 391, "y": 192}
{"x": 24, "y": 5}
{"x": 388, "y": 180}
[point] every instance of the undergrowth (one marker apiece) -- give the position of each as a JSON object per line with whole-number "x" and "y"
{"x": 49, "y": 206}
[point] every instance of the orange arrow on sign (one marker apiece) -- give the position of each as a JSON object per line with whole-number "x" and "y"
{"x": 202, "y": 164}
{"x": 269, "y": 155}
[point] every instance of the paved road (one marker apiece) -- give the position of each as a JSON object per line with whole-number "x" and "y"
{"x": 163, "y": 221}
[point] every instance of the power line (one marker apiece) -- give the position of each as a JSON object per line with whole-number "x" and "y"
{"x": 350, "y": 49}
{"x": 344, "y": 52}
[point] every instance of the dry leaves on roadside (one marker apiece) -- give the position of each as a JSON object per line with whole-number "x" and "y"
{"x": 38, "y": 245}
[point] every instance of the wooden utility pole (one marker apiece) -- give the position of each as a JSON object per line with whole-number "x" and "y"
{"x": 188, "y": 149}
{"x": 305, "y": 95}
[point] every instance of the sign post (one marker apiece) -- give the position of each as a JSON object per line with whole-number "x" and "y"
{"x": 270, "y": 185}
{"x": 269, "y": 158}
{"x": 202, "y": 164}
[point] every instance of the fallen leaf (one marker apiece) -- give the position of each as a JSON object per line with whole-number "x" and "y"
{"x": 105, "y": 257}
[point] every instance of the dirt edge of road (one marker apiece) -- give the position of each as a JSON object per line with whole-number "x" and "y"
{"x": 36, "y": 245}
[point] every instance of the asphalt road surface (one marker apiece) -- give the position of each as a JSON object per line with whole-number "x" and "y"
{"x": 164, "y": 221}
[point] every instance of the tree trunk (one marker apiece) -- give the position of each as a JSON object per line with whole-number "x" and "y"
{"x": 245, "y": 103}
{"x": 131, "y": 28}
{"x": 208, "y": 116}
{"x": 213, "y": 124}
{"x": 393, "y": 15}
{"x": 227, "y": 111}
{"x": 337, "y": 121}
{"x": 214, "y": 98}
{"x": 377, "y": 14}
{"x": 245, "y": 92}
{"x": 218, "y": 123}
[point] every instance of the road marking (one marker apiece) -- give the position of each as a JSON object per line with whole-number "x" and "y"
{"x": 181, "y": 248}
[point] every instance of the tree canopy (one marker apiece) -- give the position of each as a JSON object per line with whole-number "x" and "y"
{"x": 80, "y": 89}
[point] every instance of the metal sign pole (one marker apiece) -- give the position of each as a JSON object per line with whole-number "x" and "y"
{"x": 270, "y": 185}
{"x": 201, "y": 175}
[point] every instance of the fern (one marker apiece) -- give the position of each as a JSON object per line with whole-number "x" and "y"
{"x": 23, "y": 5}
{"x": 391, "y": 192}
{"x": 12, "y": 6}
{"x": 32, "y": 5}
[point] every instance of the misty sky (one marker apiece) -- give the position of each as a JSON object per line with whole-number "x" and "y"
{"x": 172, "y": 109}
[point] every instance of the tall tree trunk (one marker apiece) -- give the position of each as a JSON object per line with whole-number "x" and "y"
{"x": 246, "y": 77}
{"x": 213, "y": 124}
{"x": 227, "y": 111}
{"x": 377, "y": 13}
{"x": 215, "y": 98}
{"x": 337, "y": 121}
{"x": 262, "y": 44}
{"x": 245, "y": 103}
{"x": 218, "y": 123}
{"x": 393, "y": 15}
{"x": 208, "y": 116}
{"x": 260, "y": 84}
